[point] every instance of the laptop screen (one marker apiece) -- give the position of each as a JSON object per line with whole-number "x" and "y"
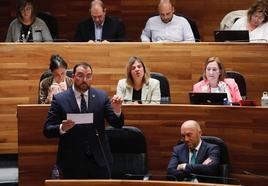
{"x": 231, "y": 35}
{"x": 207, "y": 98}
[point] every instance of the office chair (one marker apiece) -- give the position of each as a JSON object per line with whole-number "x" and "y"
{"x": 193, "y": 27}
{"x": 164, "y": 87}
{"x": 9, "y": 172}
{"x": 51, "y": 23}
{"x": 224, "y": 158}
{"x": 129, "y": 151}
{"x": 230, "y": 18}
{"x": 239, "y": 79}
{"x": 241, "y": 82}
{"x": 48, "y": 73}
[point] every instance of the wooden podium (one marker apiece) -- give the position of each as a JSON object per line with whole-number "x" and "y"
{"x": 124, "y": 183}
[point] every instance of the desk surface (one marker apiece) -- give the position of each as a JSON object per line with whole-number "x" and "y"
{"x": 244, "y": 130}
{"x": 123, "y": 183}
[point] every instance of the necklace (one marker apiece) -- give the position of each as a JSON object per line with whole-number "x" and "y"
{"x": 25, "y": 38}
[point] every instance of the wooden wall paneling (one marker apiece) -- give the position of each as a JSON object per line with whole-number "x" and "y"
{"x": 134, "y": 13}
{"x": 244, "y": 130}
{"x": 22, "y": 64}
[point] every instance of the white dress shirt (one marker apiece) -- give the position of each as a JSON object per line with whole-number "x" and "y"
{"x": 177, "y": 30}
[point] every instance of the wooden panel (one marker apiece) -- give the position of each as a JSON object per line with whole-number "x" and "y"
{"x": 123, "y": 183}
{"x": 134, "y": 13}
{"x": 244, "y": 130}
{"x": 21, "y": 66}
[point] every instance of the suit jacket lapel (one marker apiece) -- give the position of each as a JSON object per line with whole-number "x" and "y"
{"x": 92, "y": 29}
{"x": 91, "y": 100}
{"x": 72, "y": 101}
{"x": 144, "y": 92}
{"x": 129, "y": 92}
{"x": 105, "y": 29}
{"x": 185, "y": 154}
{"x": 201, "y": 152}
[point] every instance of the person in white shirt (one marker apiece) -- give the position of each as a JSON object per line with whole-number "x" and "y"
{"x": 255, "y": 22}
{"x": 167, "y": 27}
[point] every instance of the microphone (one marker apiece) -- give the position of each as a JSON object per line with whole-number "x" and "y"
{"x": 253, "y": 174}
{"x": 140, "y": 101}
{"x": 152, "y": 176}
{"x": 224, "y": 179}
{"x": 103, "y": 153}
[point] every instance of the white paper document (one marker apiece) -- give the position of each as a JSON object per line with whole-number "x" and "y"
{"x": 81, "y": 118}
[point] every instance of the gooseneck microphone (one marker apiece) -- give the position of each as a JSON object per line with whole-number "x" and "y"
{"x": 225, "y": 179}
{"x": 151, "y": 176}
{"x": 103, "y": 154}
{"x": 257, "y": 175}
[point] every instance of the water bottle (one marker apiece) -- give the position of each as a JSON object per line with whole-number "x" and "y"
{"x": 55, "y": 174}
{"x": 264, "y": 99}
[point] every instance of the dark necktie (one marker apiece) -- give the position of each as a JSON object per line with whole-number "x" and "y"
{"x": 83, "y": 104}
{"x": 193, "y": 157}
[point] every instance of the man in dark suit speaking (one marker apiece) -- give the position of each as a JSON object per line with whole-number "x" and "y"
{"x": 194, "y": 156}
{"x": 100, "y": 27}
{"x": 77, "y": 117}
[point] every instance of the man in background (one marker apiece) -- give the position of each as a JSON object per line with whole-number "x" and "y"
{"x": 100, "y": 27}
{"x": 194, "y": 156}
{"x": 167, "y": 27}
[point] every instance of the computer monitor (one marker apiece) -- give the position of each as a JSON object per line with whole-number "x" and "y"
{"x": 231, "y": 35}
{"x": 207, "y": 98}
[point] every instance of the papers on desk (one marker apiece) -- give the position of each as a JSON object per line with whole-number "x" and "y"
{"x": 81, "y": 118}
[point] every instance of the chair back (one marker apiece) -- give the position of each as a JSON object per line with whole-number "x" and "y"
{"x": 129, "y": 151}
{"x": 224, "y": 157}
{"x": 193, "y": 27}
{"x": 240, "y": 80}
{"x": 164, "y": 87}
{"x": 51, "y": 23}
{"x": 230, "y": 18}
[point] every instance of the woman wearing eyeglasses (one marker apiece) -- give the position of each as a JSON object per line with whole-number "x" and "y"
{"x": 255, "y": 22}
{"x": 27, "y": 27}
{"x": 214, "y": 81}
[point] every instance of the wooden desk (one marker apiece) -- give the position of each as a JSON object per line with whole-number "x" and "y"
{"x": 21, "y": 66}
{"x": 123, "y": 183}
{"x": 244, "y": 130}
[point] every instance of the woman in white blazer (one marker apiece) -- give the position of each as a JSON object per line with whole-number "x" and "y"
{"x": 138, "y": 87}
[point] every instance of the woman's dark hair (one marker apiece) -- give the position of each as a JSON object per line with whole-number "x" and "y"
{"x": 56, "y": 61}
{"x": 21, "y": 4}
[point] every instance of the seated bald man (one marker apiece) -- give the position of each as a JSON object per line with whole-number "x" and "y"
{"x": 194, "y": 156}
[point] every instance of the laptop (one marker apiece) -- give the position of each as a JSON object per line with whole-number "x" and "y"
{"x": 207, "y": 98}
{"x": 231, "y": 35}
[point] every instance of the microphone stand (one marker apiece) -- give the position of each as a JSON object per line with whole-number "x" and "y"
{"x": 103, "y": 154}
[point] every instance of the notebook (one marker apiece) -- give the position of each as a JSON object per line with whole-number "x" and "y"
{"x": 231, "y": 35}
{"x": 207, "y": 98}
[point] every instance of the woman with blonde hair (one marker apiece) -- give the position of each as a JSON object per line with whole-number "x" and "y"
{"x": 138, "y": 87}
